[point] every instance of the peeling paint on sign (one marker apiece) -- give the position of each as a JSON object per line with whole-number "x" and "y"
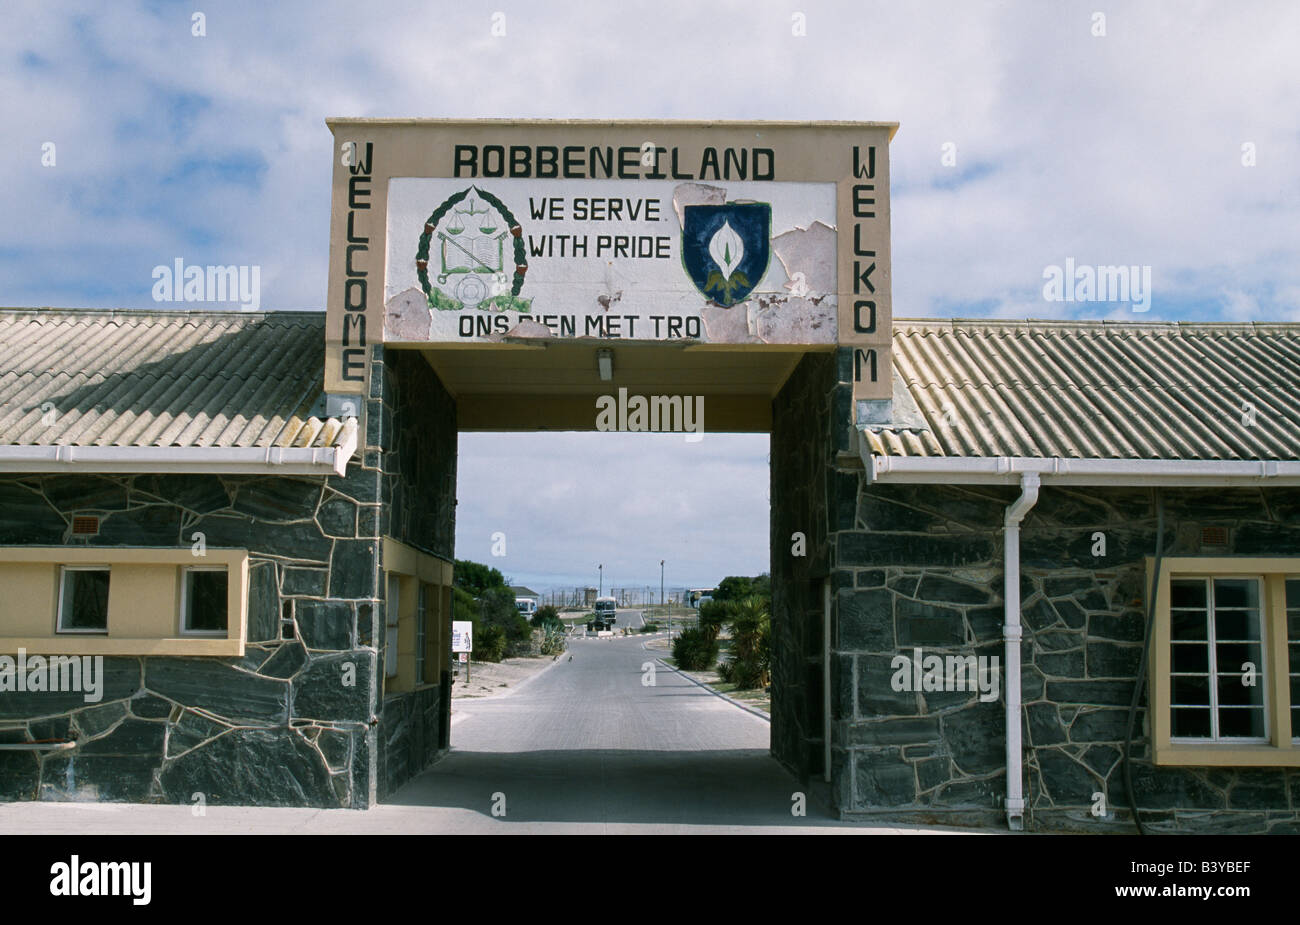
{"x": 644, "y": 261}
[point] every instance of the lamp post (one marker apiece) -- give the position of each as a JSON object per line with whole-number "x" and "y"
{"x": 661, "y": 582}
{"x": 601, "y": 590}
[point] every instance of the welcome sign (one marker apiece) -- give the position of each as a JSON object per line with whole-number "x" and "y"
{"x": 471, "y": 261}
{"x": 493, "y": 231}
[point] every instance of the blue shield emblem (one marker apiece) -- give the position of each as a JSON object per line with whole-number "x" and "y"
{"x": 725, "y": 249}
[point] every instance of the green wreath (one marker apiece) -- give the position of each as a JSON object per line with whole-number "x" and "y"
{"x": 439, "y": 300}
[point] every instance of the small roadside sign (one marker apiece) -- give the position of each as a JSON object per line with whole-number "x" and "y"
{"x": 464, "y": 657}
{"x": 462, "y": 636}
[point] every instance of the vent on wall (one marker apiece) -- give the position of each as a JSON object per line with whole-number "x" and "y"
{"x": 85, "y": 525}
{"x": 1214, "y": 536}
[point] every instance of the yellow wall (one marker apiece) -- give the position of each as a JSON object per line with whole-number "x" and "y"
{"x": 30, "y": 597}
{"x": 143, "y": 601}
{"x": 412, "y": 569}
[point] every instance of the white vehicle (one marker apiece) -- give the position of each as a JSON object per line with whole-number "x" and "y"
{"x": 526, "y": 606}
{"x": 697, "y": 596}
{"x": 605, "y": 614}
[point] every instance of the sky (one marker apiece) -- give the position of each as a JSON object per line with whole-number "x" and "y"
{"x": 1162, "y": 135}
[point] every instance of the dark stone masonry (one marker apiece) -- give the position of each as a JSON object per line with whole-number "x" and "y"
{"x": 922, "y": 566}
{"x": 418, "y": 491}
{"x": 801, "y": 478}
{"x": 305, "y": 697}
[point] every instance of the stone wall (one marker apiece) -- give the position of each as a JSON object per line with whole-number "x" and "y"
{"x": 286, "y": 724}
{"x": 412, "y": 419}
{"x": 922, "y": 566}
{"x": 804, "y": 488}
{"x": 297, "y": 720}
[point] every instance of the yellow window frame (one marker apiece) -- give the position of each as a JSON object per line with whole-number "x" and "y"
{"x": 1281, "y": 750}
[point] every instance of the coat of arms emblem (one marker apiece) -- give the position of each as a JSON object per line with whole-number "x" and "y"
{"x": 471, "y": 255}
{"x": 725, "y": 248}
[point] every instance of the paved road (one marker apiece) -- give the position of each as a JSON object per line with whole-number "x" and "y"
{"x": 588, "y": 741}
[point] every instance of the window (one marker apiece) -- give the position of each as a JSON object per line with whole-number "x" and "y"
{"x": 1225, "y": 662}
{"x": 1217, "y": 659}
{"x": 83, "y": 599}
{"x": 420, "y": 631}
{"x": 123, "y": 600}
{"x": 204, "y": 602}
{"x": 413, "y": 589}
{"x": 391, "y": 621}
{"x": 1293, "y": 643}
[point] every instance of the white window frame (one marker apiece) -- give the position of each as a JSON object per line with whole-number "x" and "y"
{"x": 1291, "y": 664}
{"x": 1211, "y": 644}
{"x": 63, "y": 588}
{"x": 392, "y": 618}
{"x": 184, "y": 602}
{"x": 421, "y": 631}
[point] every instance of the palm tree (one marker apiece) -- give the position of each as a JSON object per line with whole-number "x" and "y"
{"x": 751, "y": 633}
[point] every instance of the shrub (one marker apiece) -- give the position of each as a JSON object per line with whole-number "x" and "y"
{"x": 553, "y": 641}
{"x": 724, "y": 670}
{"x": 465, "y": 607}
{"x": 747, "y": 675}
{"x": 532, "y": 646}
{"x": 497, "y": 608}
{"x": 547, "y": 618}
{"x": 713, "y": 614}
{"x": 490, "y": 645}
{"x": 751, "y": 643}
{"x": 695, "y": 649}
{"x": 733, "y": 588}
{"x": 476, "y": 578}
{"x": 649, "y": 627}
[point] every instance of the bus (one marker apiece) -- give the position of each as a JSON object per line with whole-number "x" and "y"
{"x": 527, "y": 607}
{"x": 605, "y": 616}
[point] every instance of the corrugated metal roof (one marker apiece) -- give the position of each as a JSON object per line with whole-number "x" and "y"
{"x": 163, "y": 378}
{"x": 1094, "y": 390}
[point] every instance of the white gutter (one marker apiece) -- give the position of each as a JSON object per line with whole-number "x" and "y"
{"x": 1029, "y": 483}
{"x": 195, "y": 459}
{"x": 1007, "y": 470}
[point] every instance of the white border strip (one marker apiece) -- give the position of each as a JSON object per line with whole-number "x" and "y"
{"x": 1007, "y": 470}
{"x": 153, "y": 459}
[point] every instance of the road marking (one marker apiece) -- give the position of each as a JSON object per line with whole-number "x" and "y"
{"x": 731, "y": 700}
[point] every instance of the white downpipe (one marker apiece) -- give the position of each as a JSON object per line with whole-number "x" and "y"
{"x": 1029, "y": 483}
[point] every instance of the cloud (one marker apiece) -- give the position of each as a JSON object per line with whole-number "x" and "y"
{"x": 569, "y": 501}
{"x": 1120, "y": 149}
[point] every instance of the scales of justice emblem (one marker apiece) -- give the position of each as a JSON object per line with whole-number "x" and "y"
{"x": 471, "y": 255}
